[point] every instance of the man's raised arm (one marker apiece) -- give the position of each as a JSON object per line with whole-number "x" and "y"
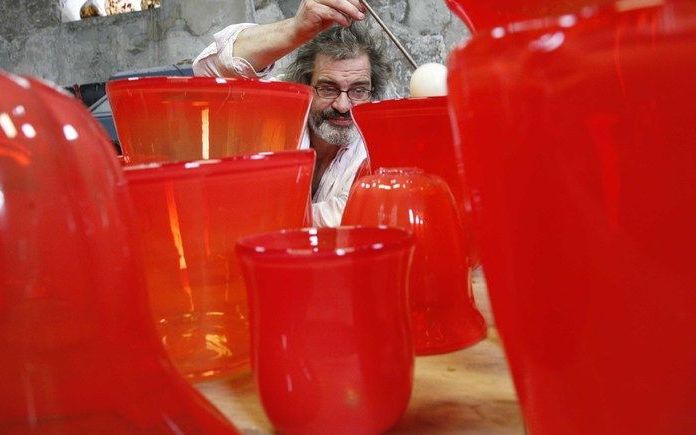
{"x": 249, "y": 50}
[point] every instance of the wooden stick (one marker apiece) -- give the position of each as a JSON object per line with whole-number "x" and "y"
{"x": 390, "y": 34}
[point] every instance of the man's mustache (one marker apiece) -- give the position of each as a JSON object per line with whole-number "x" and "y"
{"x": 334, "y": 114}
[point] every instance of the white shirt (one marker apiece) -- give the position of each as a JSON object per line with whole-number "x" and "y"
{"x": 218, "y": 60}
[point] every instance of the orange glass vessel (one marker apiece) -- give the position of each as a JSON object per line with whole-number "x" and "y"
{"x": 580, "y": 143}
{"x": 416, "y": 132}
{"x": 192, "y": 118}
{"x": 79, "y": 353}
{"x": 332, "y": 349}
{"x": 443, "y": 313}
{"x": 190, "y": 216}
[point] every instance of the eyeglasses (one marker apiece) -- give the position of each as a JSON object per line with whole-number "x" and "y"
{"x": 355, "y": 94}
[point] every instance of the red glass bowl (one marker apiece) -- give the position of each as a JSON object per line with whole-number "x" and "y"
{"x": 580, "y": 143}
{"x": 416, "y": 132}
{"x": 443, "y": 313}
{"x": 193, "y": 118}
{"x": 190, "y": 216}
{"x": 79, "y": 351}
{"x": 331, "y": 342}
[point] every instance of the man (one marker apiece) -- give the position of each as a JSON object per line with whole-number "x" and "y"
{"x": 344, "y": 64}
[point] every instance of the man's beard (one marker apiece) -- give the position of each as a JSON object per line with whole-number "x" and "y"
{"x": 333, "y": 134}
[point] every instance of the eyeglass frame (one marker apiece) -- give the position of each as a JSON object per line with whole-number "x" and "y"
{"x": 338, "y": 92}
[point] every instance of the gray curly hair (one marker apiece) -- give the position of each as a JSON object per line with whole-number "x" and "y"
{"x": 340, "y": 43}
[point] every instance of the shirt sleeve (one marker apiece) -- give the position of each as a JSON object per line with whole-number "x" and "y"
{"x": 218, "y": 59}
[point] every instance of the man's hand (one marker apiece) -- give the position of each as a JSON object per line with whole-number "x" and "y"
{"x": 264, "y": 44}
{"x": 313, "y": 16}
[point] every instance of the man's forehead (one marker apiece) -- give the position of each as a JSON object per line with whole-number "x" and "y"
{"x": 355, "y": 69}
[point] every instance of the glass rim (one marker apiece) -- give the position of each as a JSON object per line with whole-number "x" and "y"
{"x": 175, "y": 83}
{"x": 407, "y": 105}
{"x": 156, "y": 171}
{"x": 392, "y": 239}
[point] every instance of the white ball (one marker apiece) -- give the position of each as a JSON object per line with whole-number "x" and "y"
{"x": 429, "y": 80}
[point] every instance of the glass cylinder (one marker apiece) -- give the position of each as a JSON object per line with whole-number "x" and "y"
{"x": 578, "y": 137}
{"x": 331, "y": 344}
{"x": 190, "y": 216}
{"x": 192, "y": 118}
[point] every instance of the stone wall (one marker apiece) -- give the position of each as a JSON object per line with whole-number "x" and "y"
{"x": 33, "y": 40}
{"x": 425, "y": 27}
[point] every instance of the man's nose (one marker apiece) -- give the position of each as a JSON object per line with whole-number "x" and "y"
{"x": 342, "y": 103}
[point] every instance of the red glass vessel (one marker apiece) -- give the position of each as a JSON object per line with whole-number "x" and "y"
{"x": 192, "y": 118}
{"x": 580, "y": 143}
{"x": 332, "y": 349}
{"x": 511, "y": 14}
{"x": 443, "y": 314}
{"x": 79, "y": 353}
{"x": 190, "y": 215}
{"x": 416, "y": 132}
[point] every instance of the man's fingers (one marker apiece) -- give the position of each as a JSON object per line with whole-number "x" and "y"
{"x": 350, "y": 8}
{"x": 359, "y": 4}
{"x": 314, "y": 16}
{"x": 331, "y": 15}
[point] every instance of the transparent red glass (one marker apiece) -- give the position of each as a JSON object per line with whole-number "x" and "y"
{"x": 444, "y": 316}
{"x": 194, "y": 118}
{"x": 190, "y": 216}
{"x": 332, "y": 349}
{"x": 416, "y": 132}
{"x": 580, "y": 143}
{"x": 79, "y": 353}
{"x": 510, "y": 14}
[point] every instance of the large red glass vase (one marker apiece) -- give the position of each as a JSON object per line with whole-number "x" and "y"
{"x": 443, "y": 314}
{"x": 190, "y": 216}
{"x": 193, "y": 118}
{"x": 511, "y": 14}
{"x": 78, "y": 351}
{"x": 332, "y": 349}
{"x": 416, "y": 132}
{"x": 580, "y": 143}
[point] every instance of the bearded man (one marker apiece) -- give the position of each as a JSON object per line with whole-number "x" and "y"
{"x": 344, "y": 63}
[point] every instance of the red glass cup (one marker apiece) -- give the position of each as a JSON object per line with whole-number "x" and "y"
{"x": 79, "y": 353}
{"x": 416, "y": 132}
{"x": 332, "y": 349}
{"x": 190, "y": 215}
{"x": 580, "y": 143}
{"x": 443, "y": 313}
{"x": 195, "y": 118}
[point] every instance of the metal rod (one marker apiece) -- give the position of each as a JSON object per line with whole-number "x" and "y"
{"x": 390, "y": 34}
